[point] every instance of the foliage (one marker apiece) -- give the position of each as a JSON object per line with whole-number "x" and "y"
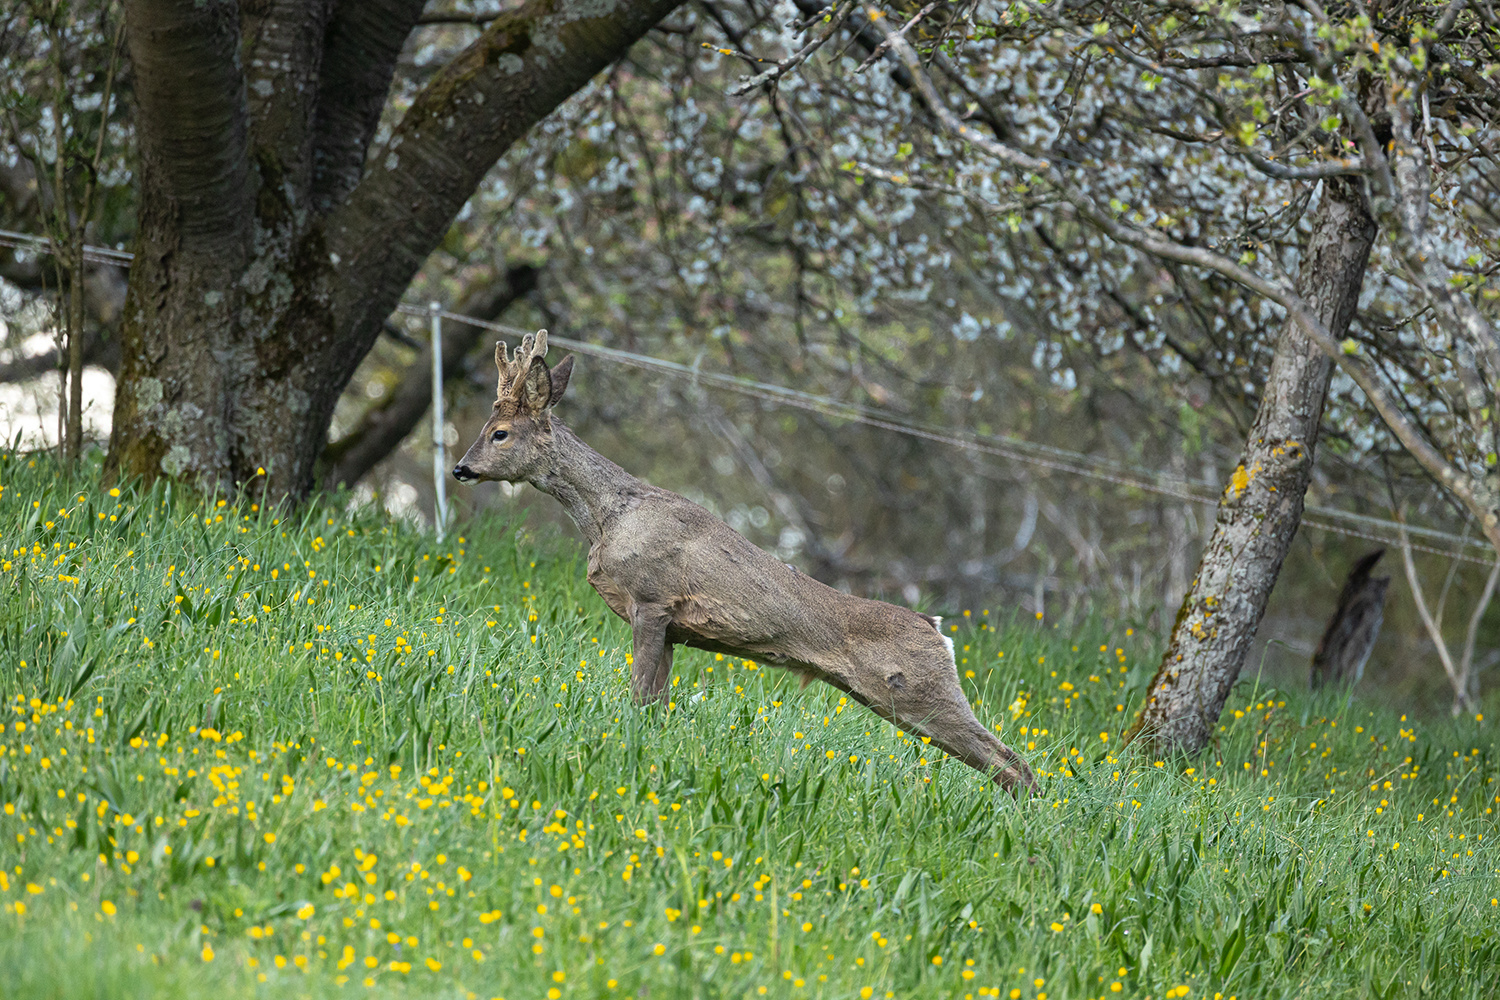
{"x": 61, "y": 152}
{"x": 767, "y": 234}
{"x": 243, "y": 748}
{"x": 1196, "y": 135}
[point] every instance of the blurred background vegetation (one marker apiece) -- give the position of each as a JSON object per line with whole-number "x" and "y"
{"x": 656, "y": 213}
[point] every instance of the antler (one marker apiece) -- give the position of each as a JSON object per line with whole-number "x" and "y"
{"x": 513, "y": 369}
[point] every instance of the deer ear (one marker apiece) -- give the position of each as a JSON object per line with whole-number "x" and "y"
{"x": 536, "y": 390}
{"x": 560, "y": 376}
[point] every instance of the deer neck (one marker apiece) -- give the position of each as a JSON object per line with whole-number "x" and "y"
{"x": 591, "y": 488}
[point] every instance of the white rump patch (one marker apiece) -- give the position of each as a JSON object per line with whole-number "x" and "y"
{"x": 937, "y": 623}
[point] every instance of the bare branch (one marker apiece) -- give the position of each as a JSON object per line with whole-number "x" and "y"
{"x": 1433, "y": 626}
{"x": 935, "y": 187}
{"x": 1458, "y": 673}
{"x": 1466, "y": 661}
{"x": 1217, "y": 62}
{"x": 1333, "y": 168}
{"x": 456, "y": 17}
{"x": 791, "y": 62}
{"x": 880, "y": 49}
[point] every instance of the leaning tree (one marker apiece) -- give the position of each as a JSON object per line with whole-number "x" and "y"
{"x": 287, "y": 196}
{"x": 1309, "y": 156}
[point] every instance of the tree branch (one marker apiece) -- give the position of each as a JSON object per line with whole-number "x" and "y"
{"x": 523, "y": 66}
{"x": 1434, "y": 626}
{"x": 456, "y": 17}
{"x": 360, "y": 48}
{"x": 900, "y": 33}
{"x": 1466, "y": 661}
{"x": 284, "y": 42}
{"x": 780, "y": 69}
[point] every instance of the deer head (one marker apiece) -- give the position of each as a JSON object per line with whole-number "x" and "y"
{"x": 515, "y": 442}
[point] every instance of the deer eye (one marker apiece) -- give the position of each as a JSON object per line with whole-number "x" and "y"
{"x": 500, "y": 436}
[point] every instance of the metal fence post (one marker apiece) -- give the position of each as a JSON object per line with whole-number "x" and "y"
{"x": 439, "y": 447}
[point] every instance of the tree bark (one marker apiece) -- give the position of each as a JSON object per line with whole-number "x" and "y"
{"x": 174, "y": 401}
{"x": 385, "y": 426}
{"x": 1352, "y": 630}
{"x": 272, "y": 246}
{"x": 1261, "y": 507}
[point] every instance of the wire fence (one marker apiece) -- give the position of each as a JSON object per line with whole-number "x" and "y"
{"x": 1095, "y": 467}
{"x": 1017, "y": 449}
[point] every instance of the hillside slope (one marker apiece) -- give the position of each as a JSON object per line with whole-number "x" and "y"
{"x": 248, "y": 755}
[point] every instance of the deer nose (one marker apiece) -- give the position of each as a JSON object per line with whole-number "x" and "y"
{"x": 463, "y": 473}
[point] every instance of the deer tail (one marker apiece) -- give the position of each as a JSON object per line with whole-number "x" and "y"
{"x": 936, "y": 621}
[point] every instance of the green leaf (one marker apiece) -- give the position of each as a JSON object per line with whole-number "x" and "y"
{"x": 1234, "y": 947}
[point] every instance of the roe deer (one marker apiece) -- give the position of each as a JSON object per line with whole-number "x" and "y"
{"x": 678, "y": 574}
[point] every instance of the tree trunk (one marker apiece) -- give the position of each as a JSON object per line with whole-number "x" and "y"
{"x": 1262, "y": 505}
{"x": 1352, "y": 630}
{"x": 271, "y": 245}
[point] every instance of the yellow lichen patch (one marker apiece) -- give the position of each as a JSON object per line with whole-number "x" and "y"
{"x": 1239, "y": 480}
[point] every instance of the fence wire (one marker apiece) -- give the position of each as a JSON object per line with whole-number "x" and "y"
{"x": 1015, "y": 449}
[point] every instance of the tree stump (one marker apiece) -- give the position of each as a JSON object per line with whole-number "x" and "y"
{"x": 1351, "y": 632}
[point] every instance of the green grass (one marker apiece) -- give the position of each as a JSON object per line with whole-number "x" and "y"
{"x": 245, "y": 756}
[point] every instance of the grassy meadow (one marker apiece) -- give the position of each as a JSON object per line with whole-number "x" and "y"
{"x": 320, "y": 754}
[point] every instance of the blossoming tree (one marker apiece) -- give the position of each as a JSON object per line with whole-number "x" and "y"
{"x": 1276, "y": 146}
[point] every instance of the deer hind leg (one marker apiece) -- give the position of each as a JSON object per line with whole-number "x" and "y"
{"x": 976, "y": 746}
{"x": 935, "y": 707}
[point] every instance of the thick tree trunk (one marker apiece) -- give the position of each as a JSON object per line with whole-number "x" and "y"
{"x": 271, "y": 248}
{"x": 174, "y": 399}
{"x": 1262, "y": 505}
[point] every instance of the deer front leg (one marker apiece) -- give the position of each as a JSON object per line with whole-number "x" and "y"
{"x": 651, "y": 658}
{"x": 663, "y": 674}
